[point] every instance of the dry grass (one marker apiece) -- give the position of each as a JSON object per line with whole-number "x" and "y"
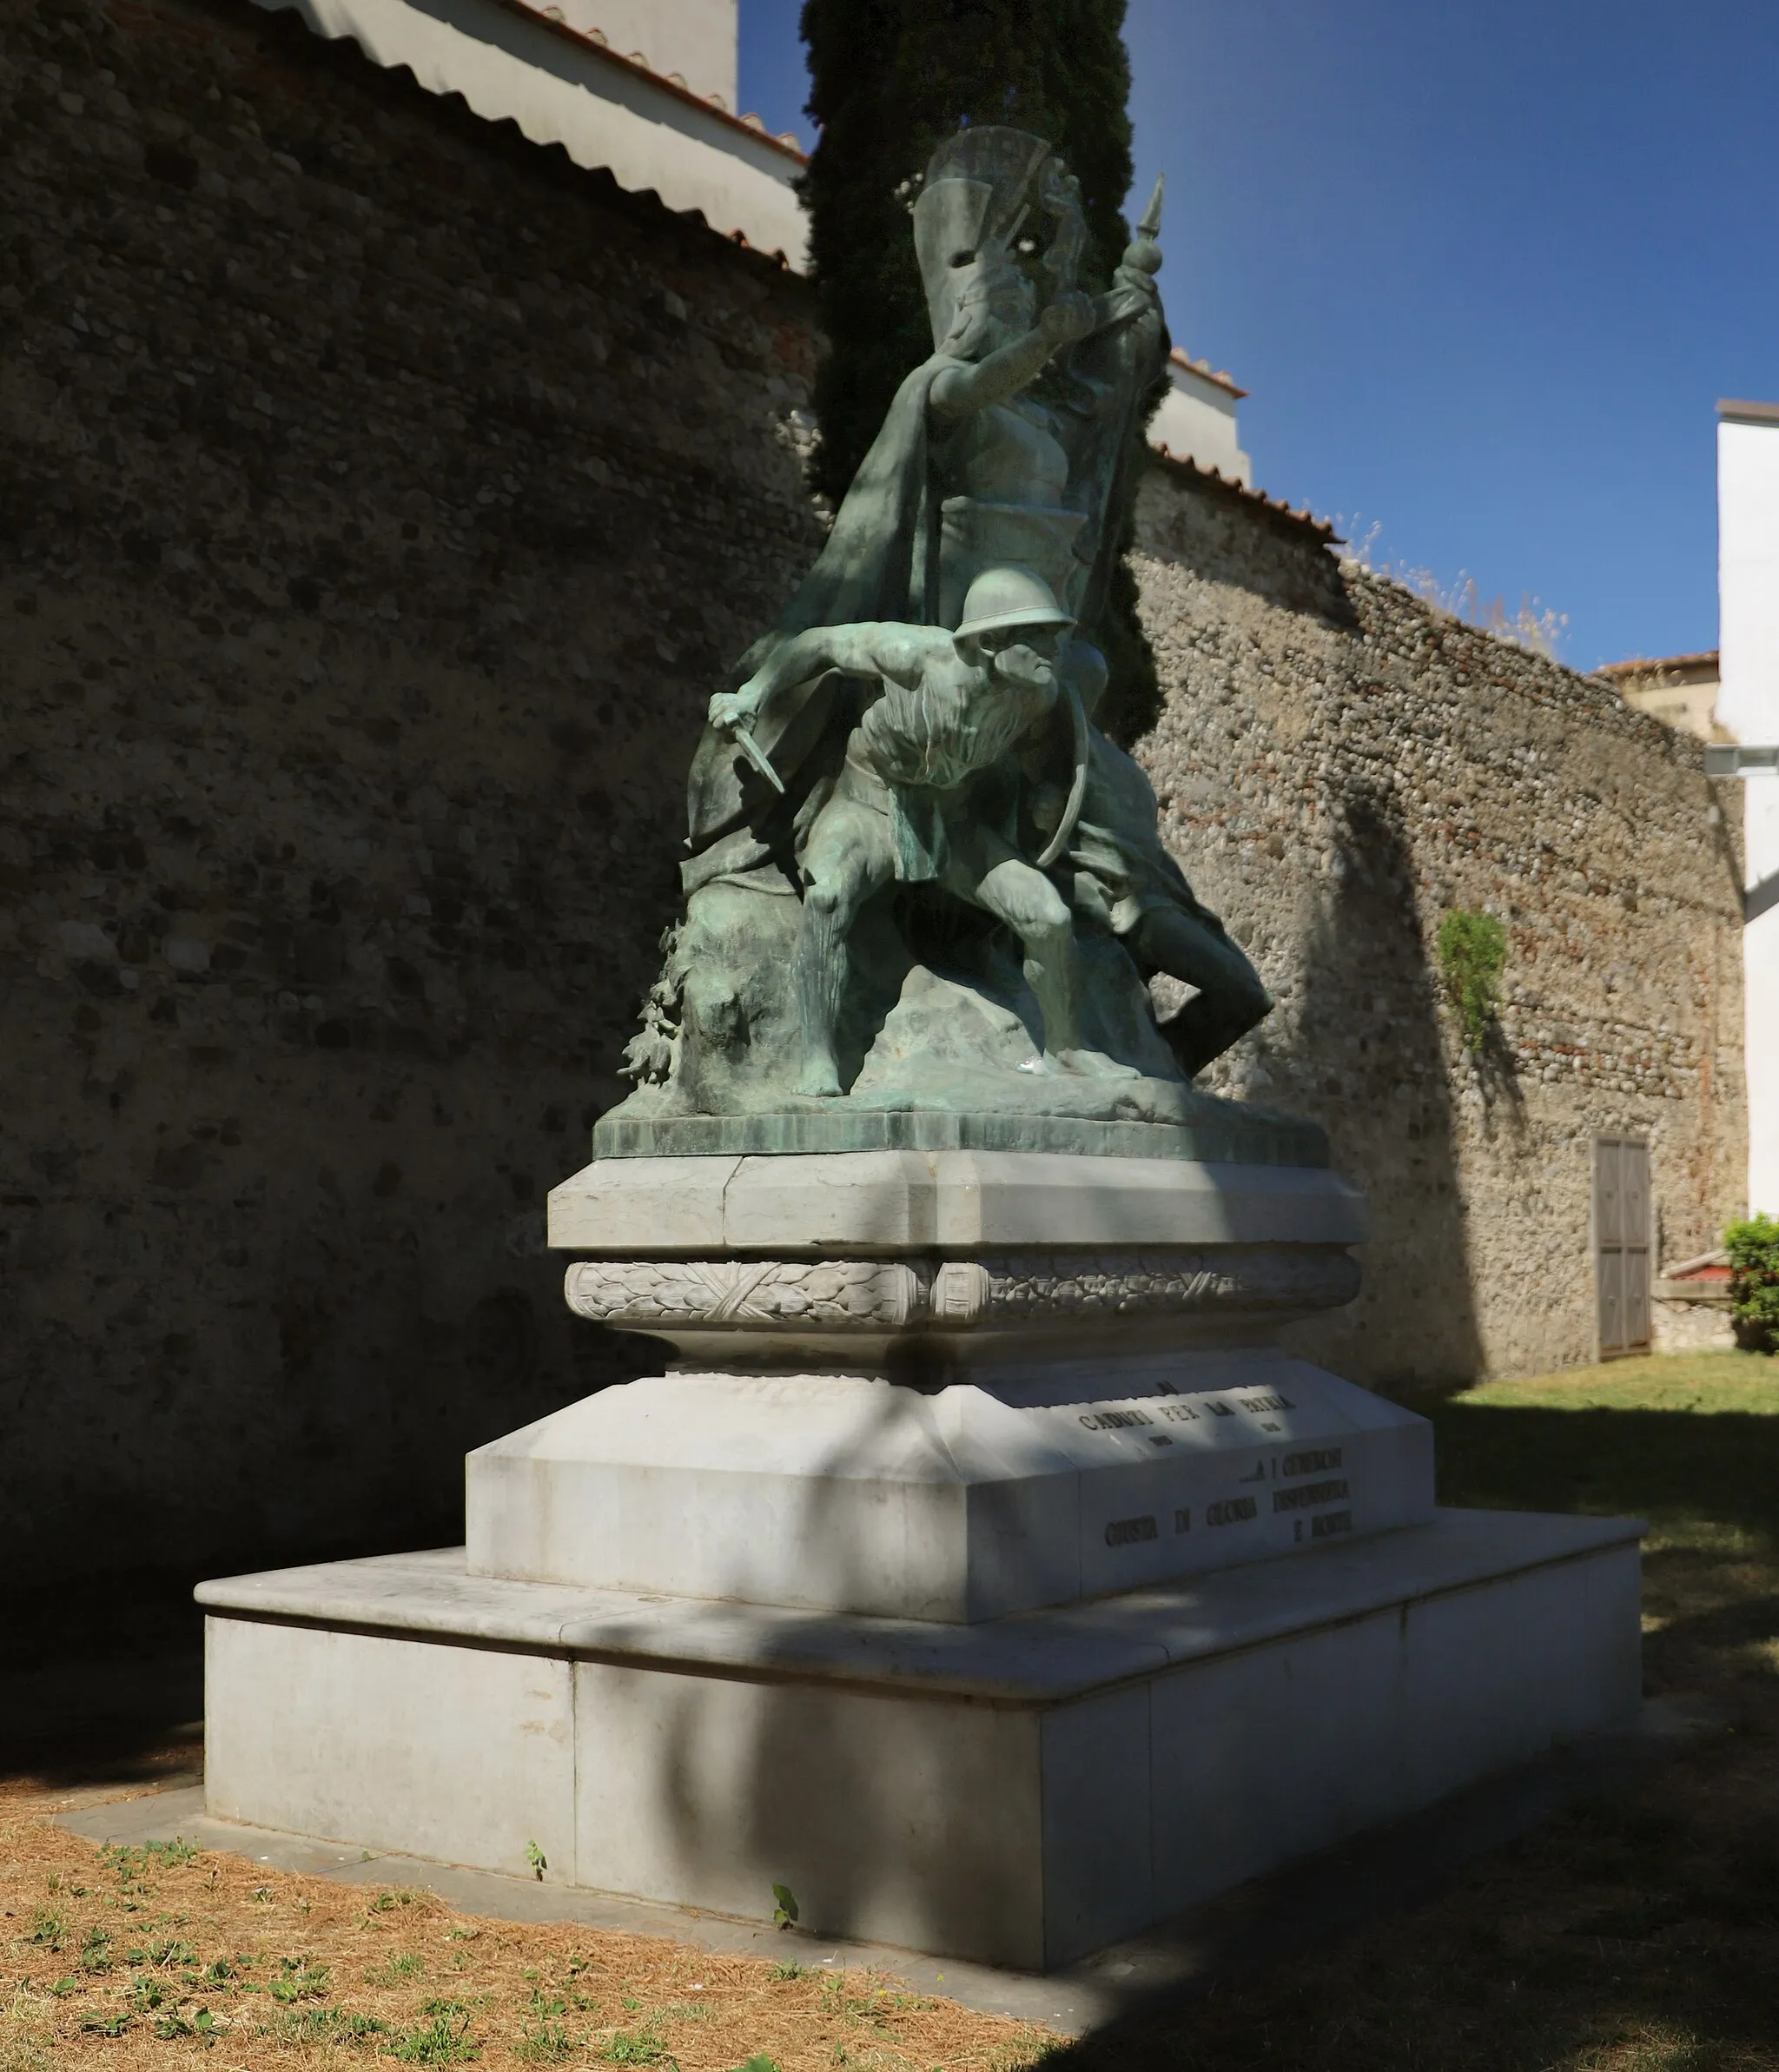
{"x": 1640, "y": 1934}
{"x": 166, "y": 1958}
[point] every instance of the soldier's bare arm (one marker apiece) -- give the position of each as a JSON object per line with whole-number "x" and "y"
{"x": 881, "y": 649}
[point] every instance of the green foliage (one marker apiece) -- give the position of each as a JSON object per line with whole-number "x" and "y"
{"x": 546, "y": 2042}
{"x": 443, "y": 2040}
{"x": 784, "y": 1907}
{"x": 538, "y": 1862}
{"x": 298, "y": 1979}
{"x": 1472, "y": 954}
{"x": 1753, "y": 1247}
{"x": 635, "y": 2046}
{"x": 890, "y": 80}
{"x": 204, "y": 2025}
{"x": 131, "y": 1863}
{"x": 406, "y": 1963}
{"x": 331, "y": 2025}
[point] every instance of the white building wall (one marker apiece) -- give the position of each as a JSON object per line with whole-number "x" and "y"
{"x": 512, "y": 63}
{"x": 1748, "y": 709}
{"x": 697, "y": 39}
{"x": 1197, "y": 421}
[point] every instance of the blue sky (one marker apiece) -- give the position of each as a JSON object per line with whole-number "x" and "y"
{"x": 1485, "y": 265}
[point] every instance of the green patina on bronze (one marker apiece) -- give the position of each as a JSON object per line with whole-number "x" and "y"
{"x": 924, "y": 893}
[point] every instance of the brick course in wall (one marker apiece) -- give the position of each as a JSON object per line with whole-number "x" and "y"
{"x": 1339, "y": 764}
{"x": 380, "y": 496}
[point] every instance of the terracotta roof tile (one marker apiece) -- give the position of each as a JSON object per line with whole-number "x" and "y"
{"x": 1203, "y": 367}
{"x": 1649, "y": 664}
{"x": 1323, "y": 527}
{"x": 669, "y": 83}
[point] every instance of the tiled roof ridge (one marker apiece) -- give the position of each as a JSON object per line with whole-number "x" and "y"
{"x": 1204, "y": 370}
{"x": 668, "y": 83}
{"x": 1648, "y": 665}
{"x": 1323, "y": 527}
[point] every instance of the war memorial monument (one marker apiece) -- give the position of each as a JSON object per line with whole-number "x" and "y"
{"x": 977, "y": 1566}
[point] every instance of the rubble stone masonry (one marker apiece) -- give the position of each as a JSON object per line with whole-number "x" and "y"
{"x": 379, "y": 497}
{"x": 1339, "y": 764}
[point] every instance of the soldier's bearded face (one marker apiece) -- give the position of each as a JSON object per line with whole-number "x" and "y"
{"x": 1027, "y": 658}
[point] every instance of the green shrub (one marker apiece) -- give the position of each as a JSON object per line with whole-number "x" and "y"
{"x": 1754, "y": 1281}
{"x": 1472, "y": 955}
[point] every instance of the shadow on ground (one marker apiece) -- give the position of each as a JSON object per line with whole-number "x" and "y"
{"x": 1636, "y": 1932}
{"x": 1654, "y": 1464}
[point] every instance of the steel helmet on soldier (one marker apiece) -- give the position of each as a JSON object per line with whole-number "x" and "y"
{"x": 1009, "y": 596}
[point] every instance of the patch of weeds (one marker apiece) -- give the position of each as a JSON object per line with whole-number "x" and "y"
{"x": 790, "y": 1969}
{"x": 387, "y": 1902}
{"x": 204, "y": 2025}
{"x": 544, "y": 2042}
{"x": 444, "y": 2040}
{"x": 635, "y": 2046}
{"x": 147, "y": 1994}
{"x": 63, "y": 1987}
{"x": 332, "y": 2025}
{"x": 133, "y": 1865}
{"x": 165, "y": 1955}
{"x": 784, "y": 1907}
{"x": 261, "y": 1894}
{"x": 538, "y": 1862}
{"x": 298, "y": 1979}
{"x": 222, "y": 1969}
{"x": 96, "y": 1952}
{"x": 105, "y": 2025}
{"x": 406, "y": 1963}
{"x": 759, "y": 2063}
{"x": 48, "y": 1927}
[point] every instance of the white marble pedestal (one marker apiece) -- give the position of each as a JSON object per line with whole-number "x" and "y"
{"x": 1018, "y": 1792}
{"x": 978, "y": 1567}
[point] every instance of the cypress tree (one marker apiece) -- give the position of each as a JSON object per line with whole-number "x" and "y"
{"x": 890, "y": 80}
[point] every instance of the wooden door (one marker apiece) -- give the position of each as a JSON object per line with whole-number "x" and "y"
{"x": 1622, "y": 1245}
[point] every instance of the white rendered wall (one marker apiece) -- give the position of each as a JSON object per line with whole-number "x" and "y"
{"x": 1747, "y": 708}
{"x": 509, "y": 64}
{"x": 1197, "y": 422}
{"x": 695, "y": 38}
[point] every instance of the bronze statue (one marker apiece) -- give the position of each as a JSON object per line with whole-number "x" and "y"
{"x": 905, "y": 780}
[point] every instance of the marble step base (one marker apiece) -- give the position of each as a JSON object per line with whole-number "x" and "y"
{"x": 1018, "y": 1792}
{"x": 1037, "y": 1487}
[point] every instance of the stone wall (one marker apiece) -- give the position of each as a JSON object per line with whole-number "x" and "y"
{"x": 1339, "y": 764}
{"x": 379, "y": 497}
